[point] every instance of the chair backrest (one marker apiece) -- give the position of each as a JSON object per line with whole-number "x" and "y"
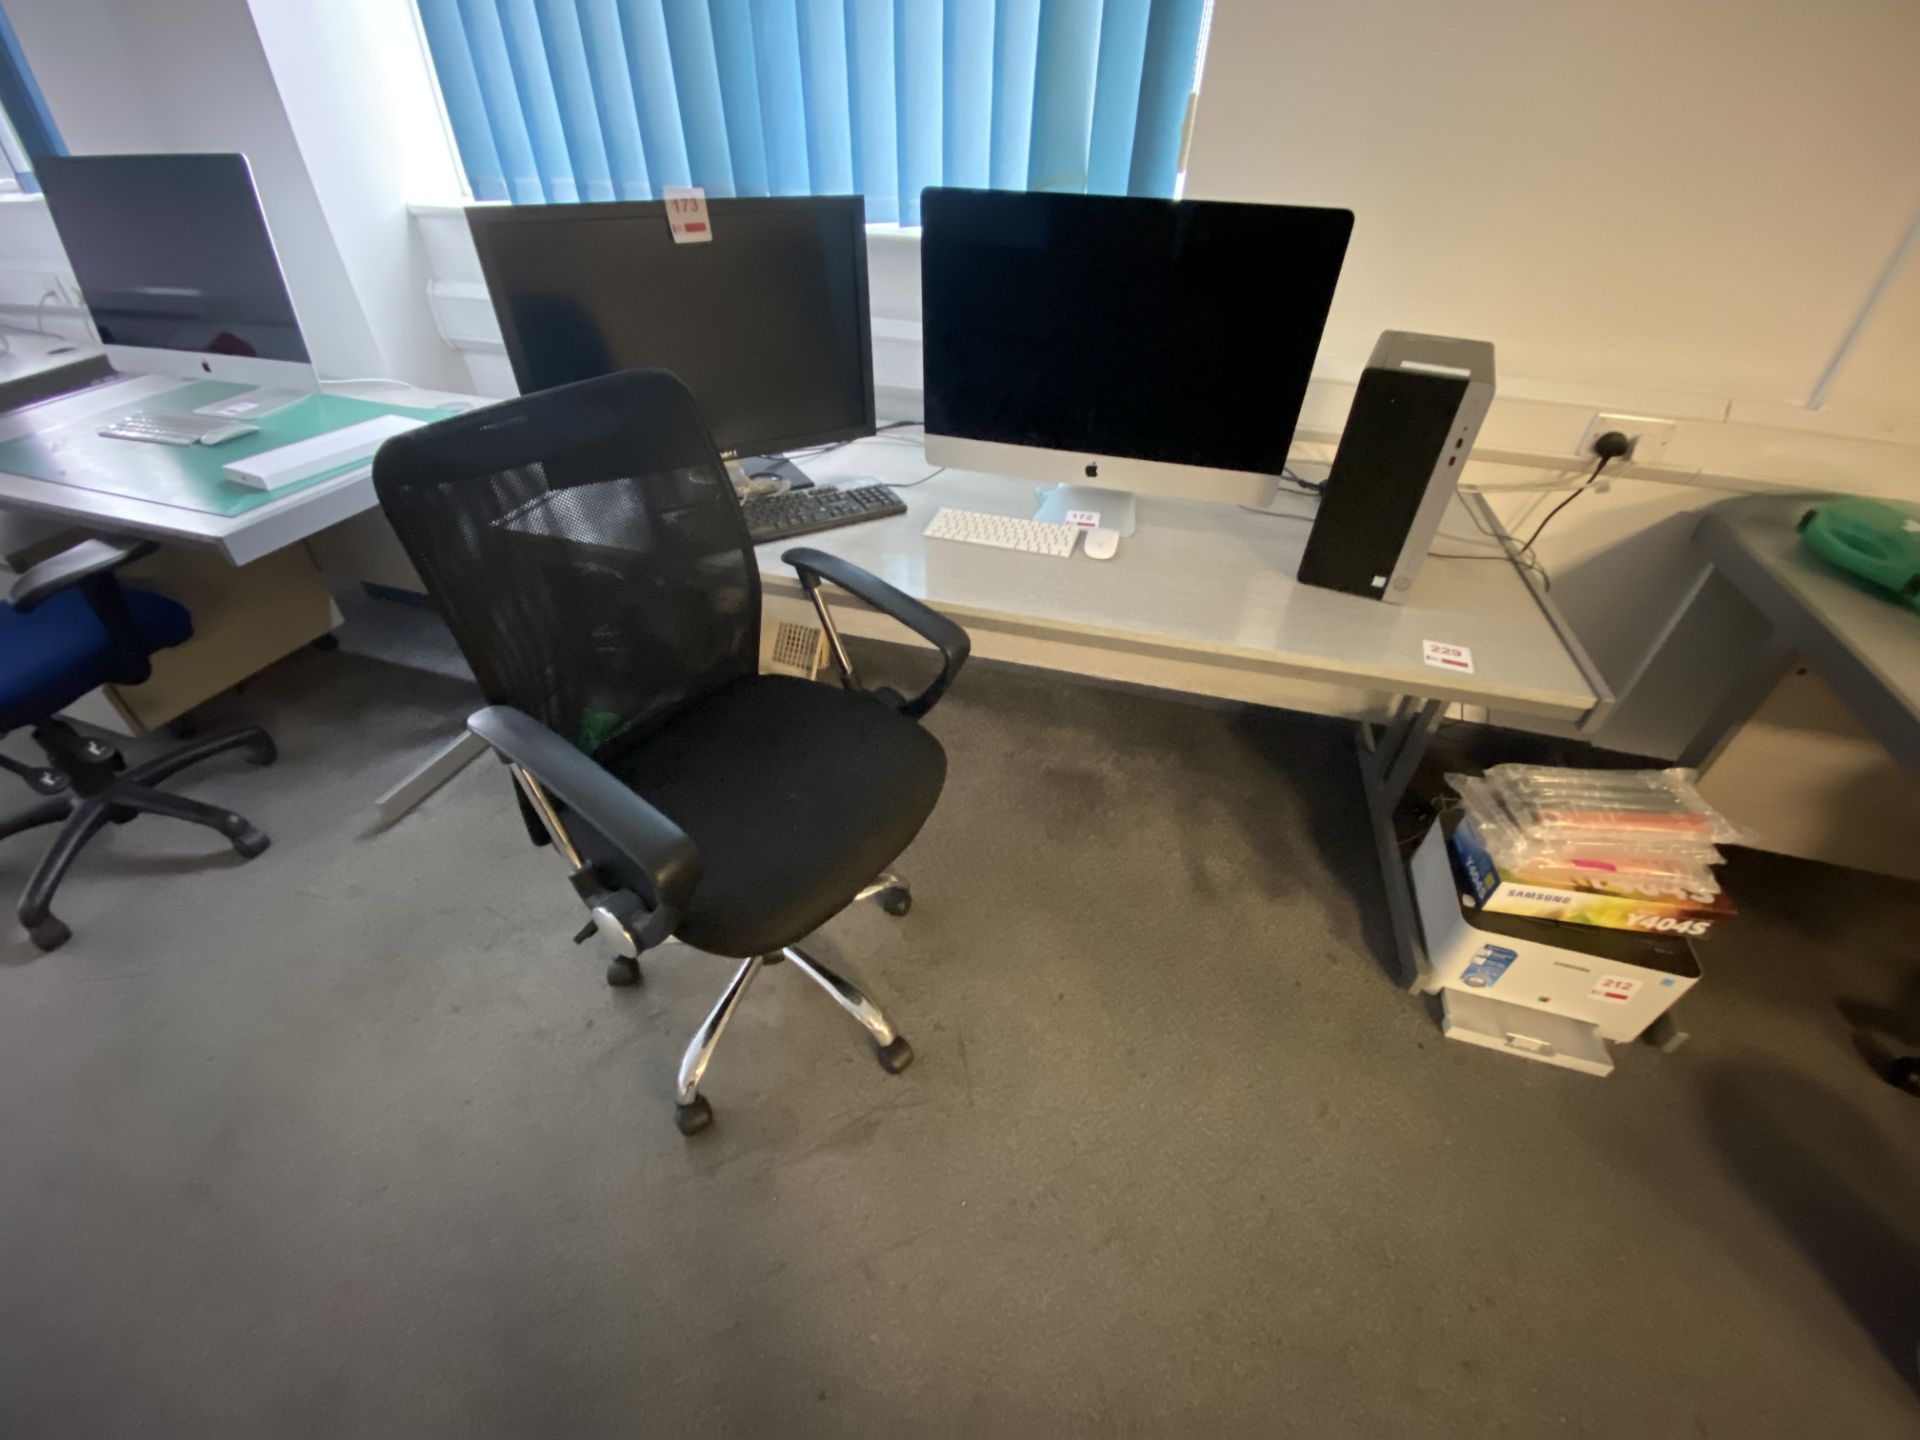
{"x": 587, "y": 551}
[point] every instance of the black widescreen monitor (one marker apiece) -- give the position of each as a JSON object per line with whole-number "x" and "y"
{"x": 767, "y": 323}
{"x": 1179, "y": 332}
{"x": 178, "y": 269}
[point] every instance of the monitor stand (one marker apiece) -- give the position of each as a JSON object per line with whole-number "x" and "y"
{"x": 772, "y": 467}
{"x": 251, "y": 404}
{"x": 1073, "y": 504}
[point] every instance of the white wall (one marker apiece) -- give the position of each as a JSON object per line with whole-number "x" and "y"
{"x": 1688, "y": 194}
{"x": 1691, "y": 230}
{"x": 185, "y": 75}
{"x": 1674, "y": 207}
{"x": 79, "y": 53}
{"x": 1881, "y": 374}
{"x": 359, "y": 96}
{"x": 32, "y": 264}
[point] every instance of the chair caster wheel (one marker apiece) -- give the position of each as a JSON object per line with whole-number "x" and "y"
{"x": 120, "y": 814}
{"x": 895, "y": 1057}
{"x": 50, "y": 934}
{"x": 896, "y": 902}
{"x": 263, "y": 753}
{"x": 250, "y": 842}
{"x": 1904, "y": 1074}
{"x": 623, "y": 970}
{"x": 46, "y": 782}
{"x": 694, "y": 1118}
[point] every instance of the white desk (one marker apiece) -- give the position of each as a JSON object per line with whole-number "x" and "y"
{"x": 1203, "y": 600}
{"x": 1208, "y": 591}
{"x": 241, "y": 538}
{"x": 285, "y": 601}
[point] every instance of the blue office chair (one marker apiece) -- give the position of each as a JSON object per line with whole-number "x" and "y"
{"x": 67, "y": 627}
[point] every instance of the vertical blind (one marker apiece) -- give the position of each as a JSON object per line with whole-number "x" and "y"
{"x": 555, "y": 100}
{"x": 27, "y": 130}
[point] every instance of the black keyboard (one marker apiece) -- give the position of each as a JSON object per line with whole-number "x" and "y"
{"x": 824, "y": 507}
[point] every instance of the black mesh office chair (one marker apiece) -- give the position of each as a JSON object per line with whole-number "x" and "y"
{"x": 587, "y": 550}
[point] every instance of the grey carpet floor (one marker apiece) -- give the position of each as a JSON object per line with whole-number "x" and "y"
{"x": 351, "y": 1141}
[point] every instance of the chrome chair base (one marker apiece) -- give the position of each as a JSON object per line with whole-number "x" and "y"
{"x": 692, "y": 1113}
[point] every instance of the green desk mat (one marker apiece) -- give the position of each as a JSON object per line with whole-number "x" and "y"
{"x": 186, "y": 476}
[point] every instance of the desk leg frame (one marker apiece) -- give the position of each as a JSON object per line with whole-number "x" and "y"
{"x": 448, "y": 762}
{"x": 1389, "y": 755}
{"x": 1765, "y": 671}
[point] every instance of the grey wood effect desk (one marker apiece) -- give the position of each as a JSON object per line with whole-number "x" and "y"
{"x": 1203, "y": 599}
{"x": 1863, "y": 645}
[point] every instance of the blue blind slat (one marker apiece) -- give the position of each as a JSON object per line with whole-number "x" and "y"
{"x": 1067, "y": 50}
{"x": 918, "y": 33}
{"x": 1116, "y": 95}
{"x": 740, "y": 95}
{"x": 574, "y": 98}
{"x": 871, "y": 107}
{"x": 783, "y": 103}
{"x": 1173, "y": 35}
{"x": 602, "y": 99}
{"x": 539, "y": 105}
{"x": 26, "y": 107}
{"x": 657, "y": 98}
{"x": 618, "y": 107}
{"x": 696, "y": 79}
{"x": 446, "y": 34}
{"x": 823, "y": 74}
{"x": 488, "y": 44}
{"x": 1016, "y": 42}
{"x": 966, "y": 101}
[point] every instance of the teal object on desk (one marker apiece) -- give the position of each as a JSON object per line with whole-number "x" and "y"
{"x": 1873, "y": 539}
{"x": 186, "y": 476}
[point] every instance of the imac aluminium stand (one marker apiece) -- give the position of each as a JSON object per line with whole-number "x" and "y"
{"x": 252, "y": 404}
{"x": 1086, "y": 505}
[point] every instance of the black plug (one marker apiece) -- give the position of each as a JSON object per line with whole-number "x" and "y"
{"x": 1608, "y": 447}
{"x": 1612, "y": 445}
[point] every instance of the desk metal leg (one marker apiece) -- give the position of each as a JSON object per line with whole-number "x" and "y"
{"x": 446, "y": 764}
{"x": 1767, "y": 670}
{"x": 1389, "y": 755}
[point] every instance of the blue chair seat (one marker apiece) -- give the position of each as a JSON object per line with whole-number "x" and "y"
{"x": 50, "y": 658}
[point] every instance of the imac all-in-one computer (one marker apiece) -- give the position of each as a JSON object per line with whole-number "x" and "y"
{"x": 766, "y": 323}
{"x": 1114, "y": 345}
{"x": 178, "y": 270}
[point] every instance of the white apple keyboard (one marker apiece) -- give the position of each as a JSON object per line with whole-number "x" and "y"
{"x": 1003, "y": 532}
{"x": 156, "y": 427}
{"x": 303, "y": 459}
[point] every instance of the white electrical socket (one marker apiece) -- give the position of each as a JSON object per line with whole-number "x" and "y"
{"x": 1649, "y": 434}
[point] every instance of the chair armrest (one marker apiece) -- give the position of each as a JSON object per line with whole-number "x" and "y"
{"x": 660, "y": 848}
{"x": 72, "y": 565}
{"x": 813, "y": 566}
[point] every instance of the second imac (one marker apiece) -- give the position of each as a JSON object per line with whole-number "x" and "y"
{"x": 1113, "y": 345}
{"x": 181, "y": 278}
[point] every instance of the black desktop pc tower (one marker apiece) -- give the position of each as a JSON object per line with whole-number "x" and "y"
{"x": 1415, "y": 415}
